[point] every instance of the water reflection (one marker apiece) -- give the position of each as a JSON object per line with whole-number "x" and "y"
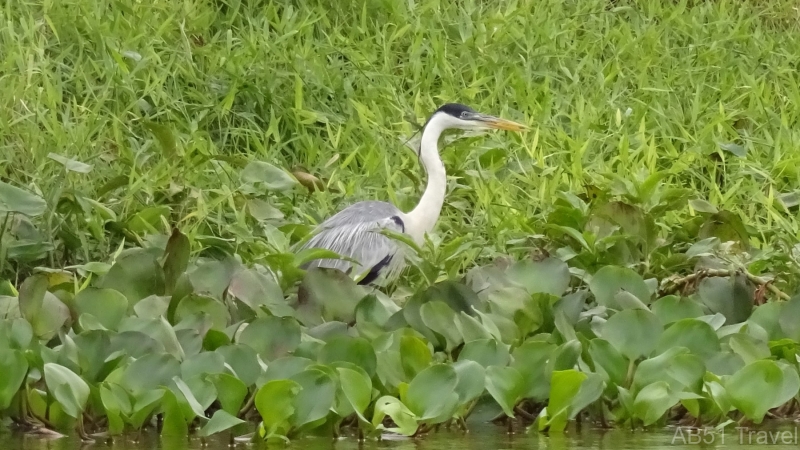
{"x": 480, "y": 437}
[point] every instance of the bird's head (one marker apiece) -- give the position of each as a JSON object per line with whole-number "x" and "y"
{"x": 456, "y": 115}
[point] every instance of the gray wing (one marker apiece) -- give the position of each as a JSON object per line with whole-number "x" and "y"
{"x": 355, "y": 232}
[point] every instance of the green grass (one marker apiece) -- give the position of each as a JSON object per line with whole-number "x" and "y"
{"x": 150, "y": 144}
{"x": 612, "y": 89}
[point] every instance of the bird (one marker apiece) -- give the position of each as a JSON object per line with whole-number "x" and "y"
{"x": 355, "y": 232}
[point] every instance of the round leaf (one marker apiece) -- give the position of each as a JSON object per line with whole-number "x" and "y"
{"x": 634, "y": 332}
{"x": 107, "y": 305}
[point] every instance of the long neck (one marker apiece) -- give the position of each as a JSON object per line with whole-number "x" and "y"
{"x": 424, "y": 216}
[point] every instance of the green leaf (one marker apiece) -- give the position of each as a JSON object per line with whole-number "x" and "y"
{"x": 176, "y": 260}
{"x": 70, "y": 164}
{"x": 356, "y": 387}
{"x": 390, "y": 406}
{"x": 243, "y": 360}
{"x": 694, "y": 334}
{"x": 431, "y": 394}
{"x": 672, "y": 308}
{"x": 198, "y": 305}
{"x": 231, "y": 392}
{"x": 270, "y": 177}
{"x": 703, "y": 206}
{"x": 14, "y": 200}
{"x": 754, "y": 389}
{"x": 607, "y": 282}
{"x": 316, "y": 397}
{"x": 136, "y": 274}
{"x": 608, "y": 360}
{"x": 415, "y": 355}
{"x": 727, "y": 296}
{"x": 634, "y": 332}
{"x": 549, "y": 276}
{"x": 439, "y": 318}
{"x": 256, "y": 289}
{"x": 471, "y": 380}
{"x": 530, "y": 359}
{"x": 564, "y": 387}
{"x": 486, "y": 352}
{"x": 219, "y": 422}
{"x": 271, "y": 337}
{"x": 69, "y": 390}
{"x": 676, "y": 366}
{"x": 505, "y": 385}
{"x": 107, "y": 305}
{"x": 174, "y": 420}
{"x": 275, "y": 402}
{"x": 15, "y": 368}
{"x": 31, "y": 296}
{"x": 150, "y": 372}
{"x": 354, "y": 350}
{"x": 748, "y": 347}
{"x": 653, "y": 401}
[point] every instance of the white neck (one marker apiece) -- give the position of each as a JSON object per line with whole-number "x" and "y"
{"x": 423, "y": 217}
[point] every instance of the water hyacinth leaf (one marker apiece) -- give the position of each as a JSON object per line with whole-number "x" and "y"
{"x": 219, "y": 422}
{"x": 136, "y": 274}
{"x": 331, "y": 294}
{"x": 189, "y": 396}
{"x": 212, "y": 277}
{"x": 486, "y": 352}
{"x": 159, "y": 329}
{"x": 149, "y": 372}
{"x": 787, "y": 319}
{"x": 529, "y": 359}
{"x": 564, "y": 387}
{"x": 69, "y": 389}
{"x": 634, "y": 332}
{"x": 267, "y": 175}
{"x": 748, "y": 348}
{"x": 550, "y": 276}
{"x": 471, "y": 380}
{"x": 390, "y": 406}
{"x": 356, "y": 388}
{"x": 53, "y": 315}
{"x": 431, "y": 394}
{"x": 676, "y": 366}
{"x": 202, "y": 363}
{"x": 256, "y": 289}
{"x": 653, "y": 401}
{"x": 415, "y": 356}
{"x": 275, "y": 402}
{"x": 113, "y": 409}
{"x": 608, "y": 360}
{"x": 285, "y": 367}
{"x": 243, "y": 360}
{"x": 15, "y": 368}
{"x": 31, "y": 296}
{"x": 107, "y": 305}
{"x": 271, "y": 337}
{"x": 21, "y": 333}
{"x": 790, "y": 385}
{"x": 231, "y": 392}
{"x": 565, "y": 356}
{"x": 174, "y": 420}
{"x": 203, "y": 306}
{"x": 727, "y": 296}
{"x": 355, "y": 350}
{"x": 591, "y": 389}
{"x": 754, "y": 389}
{"x": 470, "y": 328}
{"x": 439, "y": 318}
{"x": 316, "y": 396}
{"x": 694, "y": 334}
{"x": 505, "y": 385}
{"x": 672, "y": 308}
{"x": 610, "y": 280}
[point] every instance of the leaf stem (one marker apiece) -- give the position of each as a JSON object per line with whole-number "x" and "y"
{"x": 671, "y": 286}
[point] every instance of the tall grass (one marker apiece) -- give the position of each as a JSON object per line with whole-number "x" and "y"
{"x": 167, "y": 101}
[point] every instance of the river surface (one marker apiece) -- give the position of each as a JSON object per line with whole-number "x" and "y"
{"x": 480, "y": 437}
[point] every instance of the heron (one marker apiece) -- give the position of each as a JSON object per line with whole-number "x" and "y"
{"x": 355, "y": 232}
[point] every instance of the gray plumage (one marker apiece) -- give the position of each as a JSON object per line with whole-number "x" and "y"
{"x": 355, "y": 232}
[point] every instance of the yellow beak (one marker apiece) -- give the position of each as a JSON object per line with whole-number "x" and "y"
{"x": 503, "y": 124}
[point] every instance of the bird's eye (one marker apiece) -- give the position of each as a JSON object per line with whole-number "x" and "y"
{"x": 464, "y": 114}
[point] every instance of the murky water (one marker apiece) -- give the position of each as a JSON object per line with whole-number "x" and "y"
{"x": 480, "y": 437}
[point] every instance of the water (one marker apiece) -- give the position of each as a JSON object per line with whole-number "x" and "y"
{"x": 480, "y": 437}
